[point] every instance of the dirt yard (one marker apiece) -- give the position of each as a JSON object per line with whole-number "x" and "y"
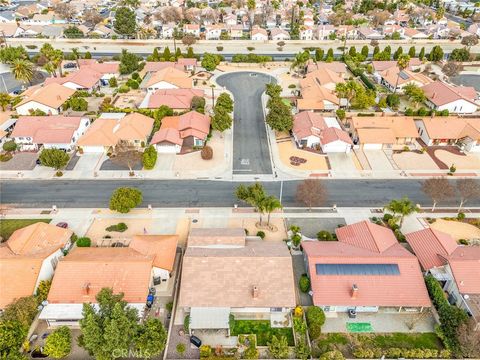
{"x": 314, "y": 161}
{"x": 409, "y": 160}
{"x": 194, "y": 161}
{"x": 458, "y": 230}
{"x": 467, "y": 162}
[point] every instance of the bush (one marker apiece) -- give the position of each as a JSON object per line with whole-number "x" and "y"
{"x": 261, "y": 234}
{"x": 387, "y": 217}
{"x": 324, "y": 235}
{"x": 120, "y": 227}
{"x": 112, "y": 82}
{"x": 292, "y": 86}
{"x": 219, "y": 48}
{"x": 84, "y": 242}
{"x": 181, "y": 348}
{"x": 205, "y": 351}
{"x": 77, "y": 104}
{"x": 123, "y": 89}
{"x": 206, "y": 153}
{"x": 149, "y": 157}
{"x": 315, "y": 319}
{"x": 131, "y": 83}
{"x": 59, "y": 343}
{"x": 340, "y": 114}
{"x": 6, "y": 157}
{"x": 10, "y": 146}
{"x": 463, "y": 242}
{"x": 397, "y": 353}
{"x": 304, "y": 283}
{"x": 186, "y": 323}
{"x": 332, "y": 355}
{"x": 460, "y": 216}
{"x": 136, "y": 76}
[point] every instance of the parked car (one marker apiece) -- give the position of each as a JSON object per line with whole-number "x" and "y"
{"x": 195, "y": 341}
{"x": 70, "y": 65}
{"x": 63, "y": 225}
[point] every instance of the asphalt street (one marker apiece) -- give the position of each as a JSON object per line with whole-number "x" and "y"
{"x": 251, "y": 154}
{"x": 204, "y": 193}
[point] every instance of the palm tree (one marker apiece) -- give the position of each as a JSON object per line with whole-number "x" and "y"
{"x": 300, "y": 61}
{"x": 402, "y": 63}
{"x": 270, "y": 204}
{"x": 253, "y": 195}
{"x": 76, "y": 56}
{"x": 347, "y": 91}
{"x": 402, "y": 207}
{"x": 4, "y": 100}
{"x": 22, "y": 70}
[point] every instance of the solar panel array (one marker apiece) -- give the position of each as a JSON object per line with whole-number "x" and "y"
{"x": 357, "y": 269}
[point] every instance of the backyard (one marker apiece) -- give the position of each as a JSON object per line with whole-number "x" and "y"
{"x": 262, "y": 329}
{"x": 8, "y": 226}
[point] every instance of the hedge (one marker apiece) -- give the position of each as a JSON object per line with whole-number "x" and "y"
{"x": 396, "y": 353}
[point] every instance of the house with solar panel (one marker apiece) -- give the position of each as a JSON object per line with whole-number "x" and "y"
{"x": 365, "y": 271}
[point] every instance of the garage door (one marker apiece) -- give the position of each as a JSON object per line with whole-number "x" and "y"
{"x": 166, "y": 149}
{"x": 93, "y": 149}
{"x": 372, "y": 146}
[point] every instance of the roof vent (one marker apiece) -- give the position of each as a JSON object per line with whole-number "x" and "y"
{"x": 255, "y": 291}
{"x": 354, "y": 291}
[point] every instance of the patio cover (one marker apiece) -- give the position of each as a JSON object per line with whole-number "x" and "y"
{"x": 209, "y": 317}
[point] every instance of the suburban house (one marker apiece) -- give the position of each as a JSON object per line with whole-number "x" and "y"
{"x": 317, "y": 91}
{"x": 84, "y": 79}
{"x": 177, "y": 99}
{"x": 192, "y": 29}
{"x": 110, "y": 128}
{"x": 279, "y": 34}
{"x": 48, "y": 98}
{"x": 455, "y": 99}
{"x": 393, "y": 76}
{"x": 213, "y": 32}
{"x": 450, "y": 130}
{"x": 312, "y": 130}
{"x": 244, "y": 277}
{"x": 259, "y": 34}
{"x": 7, "y": 121}
{"x": 29, "y": 256}
{"x": 51, "y": 132}
{"x": 107, "y": 69}
{"x": 366, "y": 270}
{"x": 188, "y": 130}
{"x": 167, "y": 78}
{"x": 336, "y": 66}
{"x": 147, "y": 262}
{"x": 377, "y": 132}
{"x": 453, "y": 265}
{"x": 323, "y": 32}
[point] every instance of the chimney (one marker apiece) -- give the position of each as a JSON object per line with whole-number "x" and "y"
{"x": 354, "y": 291}
{"x": 255, "y": 291}
{"x": 86, "y": 289}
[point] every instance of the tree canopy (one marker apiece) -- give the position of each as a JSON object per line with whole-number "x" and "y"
{"x": 124, "y": 199}
{"x": 125, "y": 22}
{"x": 54, "y": 158}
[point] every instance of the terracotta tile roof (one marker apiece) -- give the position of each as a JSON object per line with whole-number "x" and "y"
{"x": 383, "y": 129}
{"x": 169, "y": 135}
{"x": 367, "y": 235}
{"x": 228, "y": 276}
{"x": 193, "y": 120}
{"x": 110, "y": 67}
{"x": 384, "y": 65}
{"x": 308, "y": 123}
{"x": 47, "y": 129}
{"x": 154, "y": 66}
{"x": 452, "y": 127}
{"x": 172, "y": 76}
{"x": 390, "y": 75}
{"x": 335, "y": 66}
{"x": 432, "y": 247}
{"x": 405, "y": 288}
{"x": 440, "y": 93}
{"x": 52, "y": 95}
{"x": 174, "y": 98}
{"x": 109, "y": 131}
{"x": 163, "y": 248}
{"x": 332, "y": 134}
{"x": 465, "y": 265}
{"x": 85, "y": 271}
{"x": 322, "y": 76}
{"x": 86, "y": 77}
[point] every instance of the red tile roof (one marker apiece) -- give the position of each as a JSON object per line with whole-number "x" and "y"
{"x": 86, "y": 77}
{"x": 465, "y": 265}
{"x": 440, "y": 93}
{"x": 432, "y": 247}
{"x": 364, "y": 244}
{"x": 47, "y": 129}
{"x": 174, "y": 98}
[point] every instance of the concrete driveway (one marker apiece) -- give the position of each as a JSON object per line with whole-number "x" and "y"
{"x": 250, "y": 148}
{"x": 378, "y": 160}
{"x": 342, "y": 163}
{"x": 21, "y": 161}
{"x": 88, "y": 162}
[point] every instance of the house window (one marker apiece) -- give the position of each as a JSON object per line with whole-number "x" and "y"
{"x": 198, "y": 142}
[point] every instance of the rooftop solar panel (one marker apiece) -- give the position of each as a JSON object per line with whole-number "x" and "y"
{"x": 357, "y": 269}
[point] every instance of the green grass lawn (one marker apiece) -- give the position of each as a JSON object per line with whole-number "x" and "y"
{"x": 409, "y": 341}
{"x": 8, "y": 226}
{"x": 262, "y": 329}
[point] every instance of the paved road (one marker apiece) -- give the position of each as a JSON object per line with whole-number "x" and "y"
{"x": 251, "y": 154}
{"x": 196, "y": 193}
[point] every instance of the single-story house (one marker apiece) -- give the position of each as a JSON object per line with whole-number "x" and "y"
{"x": 377, "y": 132}
{"x": 51, "y": 132}
{"x": 110, "y": 128}
{"x": 107, "y": 69}
{"x": 84, "y": 79}
{"x": 29, "y": 256}
{"x": 366, "y": 270}
{"x": 312, "y": 130}
{"x": 456, "y": 267}
{"x": 464, "y": 132}
{"x": 190, "y": 129}
{"x": 244, "y": 277}
{"x": 455, "y": 99}
{"x": 167, "y": 78}
{"x": 278, "y": 34}
{"x": 48, "y": 98}
{"x": 393, "y": 76}
{"x": 259, "y": 34}
{"x": 147, "y": 262}
{"x": 336, "y": 66}
{"x": 177, "y": 99}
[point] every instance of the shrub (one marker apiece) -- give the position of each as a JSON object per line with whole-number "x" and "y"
{"x": 112, "y": 82}
{"x": 136, "y": 76}
{"x": 6, "y": 157}
{"x": 123, "y": 89}
{"x": 131, "y": 83}
{"x": 296, "y": 239}
{"x": 304, "y": 283}
{"x": 186, "y": 323}
{"x": 340, "y": 114}
{"x": 292, "y": 86}
{"x": 10, "y": 146}
{"x": 315, "y": 319}
{"x": 206, "y": 153}
{"x": 219, "y": 48}
{"x": 120, "y": 227}
{"x": 149, "y": 157}
{"x": 181, "y": 348}
{"x": 84, "y": 242}
{"x": 463, "y": 242}
{"x": 59, "y": 343}
{"x": 205, "y": 351}
{"x": 460, "y": 216}
{"x": 387, "y": 217}
{"x": 261, "y": 234}
{"x": 324, "y": 235}
{"x": 332, "y": 355}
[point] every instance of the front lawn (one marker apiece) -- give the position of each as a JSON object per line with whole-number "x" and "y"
{"x": 262, "y": 329}
{"x": 8, "y": 226}
{"x": 409, "y": 341}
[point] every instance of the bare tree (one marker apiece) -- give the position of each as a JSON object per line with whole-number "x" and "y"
{"x": 469, "y": 339}
{"x": 171, "y": 14}
{"x": 209, "y": 14}
{"x": 437, "y": 189}
{"x": 374, "y": 43}
{"x": 193, "y": 15}
{"x": 468, "y": 189}
{"x": 65, "y": 10}
{"x": 452, "y": 68}
{"x": 126, "y": 155}
{"x": 92, "y": 17}
{"x": 311, "y": 192}
{"x": 379, "y": 17}
{"x": 188, "y": 40}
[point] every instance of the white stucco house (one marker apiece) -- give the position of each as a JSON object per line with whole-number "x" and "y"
{"x": 455, "y": 99}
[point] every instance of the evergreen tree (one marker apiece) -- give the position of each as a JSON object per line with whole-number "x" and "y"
{"x": 319, "y": 54}
{"x": 376, "y": 50}
{"x": 365, "y": 51}
{"x": 397, "y": 53}
{"x": 221, "y": 119}
{"x": 166, "y": 54}
{"x": 421, "y": 55}
{"x": 412, "y": 52}
{"x": 190, "y": 53}
{"x": 178, "y": 54}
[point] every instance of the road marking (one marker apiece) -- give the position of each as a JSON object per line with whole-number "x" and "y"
{"x": 245, "y": 162}
{"x": 242, "y": 169}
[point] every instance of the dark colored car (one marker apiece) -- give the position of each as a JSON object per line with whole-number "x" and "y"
{"x": 63, "y": 225}
{"x": 70, "y": 66}
{"x": 195, "y": 341}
